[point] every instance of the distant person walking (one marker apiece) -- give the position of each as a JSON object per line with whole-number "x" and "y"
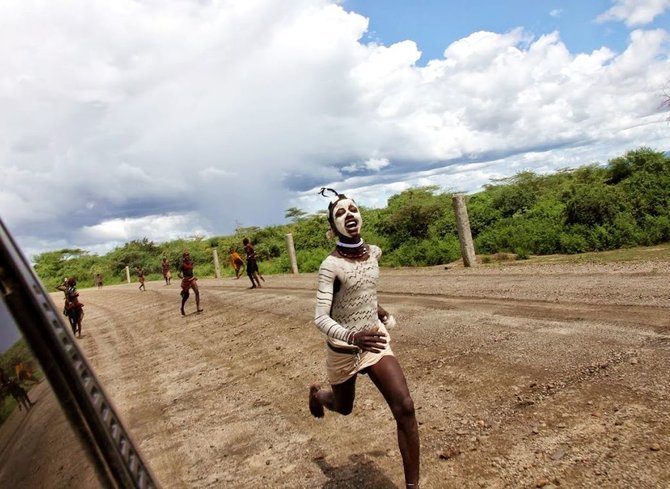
{"x": 188, "y": 282}
{"x": 73, "y": 308}
{"x": 236, "y": 262}
{"x": 19, "y": 394}
{"x": 252, "y": 265}
{"x": 140, "y": 276}
{"x": 165, "y": 266}
{"x": 98, "y": 280}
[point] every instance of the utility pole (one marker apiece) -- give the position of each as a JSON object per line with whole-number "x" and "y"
{"x": 291, "y": 253}
{"x": 464, "y": 233}
{"x": 217, "y": 269}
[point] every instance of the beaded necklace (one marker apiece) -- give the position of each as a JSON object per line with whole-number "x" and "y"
{"x": 359, "y": 250}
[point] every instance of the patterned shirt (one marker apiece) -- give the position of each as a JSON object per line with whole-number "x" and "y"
{"x": 354, "y": 306}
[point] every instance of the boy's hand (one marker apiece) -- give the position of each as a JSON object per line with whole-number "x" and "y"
{"x": 370, "y": 340}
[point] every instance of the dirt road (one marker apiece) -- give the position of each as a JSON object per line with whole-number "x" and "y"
{"x": 522, "y": 376}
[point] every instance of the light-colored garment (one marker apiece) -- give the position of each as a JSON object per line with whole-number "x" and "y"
{"x": 341, "y": 367}
{"x": 352, "y": 308}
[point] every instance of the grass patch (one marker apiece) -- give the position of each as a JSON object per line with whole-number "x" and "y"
{"x": 7, "y": 406}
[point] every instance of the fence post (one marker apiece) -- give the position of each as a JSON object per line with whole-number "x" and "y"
{"x": 128, "y": 274}
{"x": 464, "y": 233}
{"x": 291, "y": 253}
{"x": 217, "y": 270}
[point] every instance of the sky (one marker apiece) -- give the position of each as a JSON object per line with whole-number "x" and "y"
{"x": 174, "y": 118}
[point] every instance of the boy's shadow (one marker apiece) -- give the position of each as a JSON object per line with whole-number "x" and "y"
{"x": 359, "y": 473}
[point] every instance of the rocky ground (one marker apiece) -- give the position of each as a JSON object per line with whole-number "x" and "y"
{"x": 522, "y": 376}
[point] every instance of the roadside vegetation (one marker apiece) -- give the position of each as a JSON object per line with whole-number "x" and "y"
{"x": 17, "y": 354}
{"x": 593, "y": 208}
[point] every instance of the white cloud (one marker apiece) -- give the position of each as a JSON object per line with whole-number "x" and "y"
{"x": 120, "y": 117}
{"x": 634, "y": 13}
{"x": 556, "y": 13}
{"x": 373, "y": 164}
{"x": 376, "y": 164}
{"x": 156, "y": 228}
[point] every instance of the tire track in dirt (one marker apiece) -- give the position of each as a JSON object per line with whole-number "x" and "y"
{"x": 219, "y": 399}
{"x": 624, "y": 329}
{"x": 627, "y": 314}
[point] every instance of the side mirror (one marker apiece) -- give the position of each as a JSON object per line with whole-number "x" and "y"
{"x": 53, "y": 409}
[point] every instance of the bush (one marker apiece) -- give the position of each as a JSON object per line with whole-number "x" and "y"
{"x": 310, "y": 260}
{"x": 654, "y": 230}
{"x": 423, "y": 253}
{"x": 522, "y": 254}
{"x": 536, "y": 236}
{"x": 572, "y": 243}
{"x": 408, "y": 215}
{"x": 593, "y": 205}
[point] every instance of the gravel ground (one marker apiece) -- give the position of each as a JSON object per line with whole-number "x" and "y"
{"x": 523, "y": 376}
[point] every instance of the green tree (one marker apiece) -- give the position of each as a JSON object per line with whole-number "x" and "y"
{"x": 593, "y": 204}
{"x": 53, "y": 266}
{"x": 408, "y": 215}
{"x": 481, "y": 212}
{"x": 647, "y": 187}
{"x": 294, "y": 214}
{"x": 517, "y": 194}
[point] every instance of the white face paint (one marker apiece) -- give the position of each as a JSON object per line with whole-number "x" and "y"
{"x": 348, "y": 221}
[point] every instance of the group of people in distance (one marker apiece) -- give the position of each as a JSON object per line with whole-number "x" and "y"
{"x": 190, "y": 281}
{"x": 237, "y": 263}
{"x": 347, "y": 312}
{"x": 73, "y": 308}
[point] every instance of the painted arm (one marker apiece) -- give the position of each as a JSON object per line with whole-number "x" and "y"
{"x": 324, "y": 300}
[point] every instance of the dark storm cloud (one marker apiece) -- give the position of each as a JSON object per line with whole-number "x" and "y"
{"x": 142, "y": 120}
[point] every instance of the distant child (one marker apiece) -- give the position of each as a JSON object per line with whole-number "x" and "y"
{"x": 140, "y": 275}
{"x": 165, "y": 266}
{"x": 188, "y": 281}
{"x": 252, "y": 266}
{"x": 236, "y": 262}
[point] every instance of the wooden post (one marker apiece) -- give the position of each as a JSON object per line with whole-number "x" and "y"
{"x": 291, "y": 253}
{"x": 217, "y": 269}
{"x": 464, "y": 233}
{"x": 128, "y": 274}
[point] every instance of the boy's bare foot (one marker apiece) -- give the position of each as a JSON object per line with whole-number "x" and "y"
{"x": 315, "y": 407}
